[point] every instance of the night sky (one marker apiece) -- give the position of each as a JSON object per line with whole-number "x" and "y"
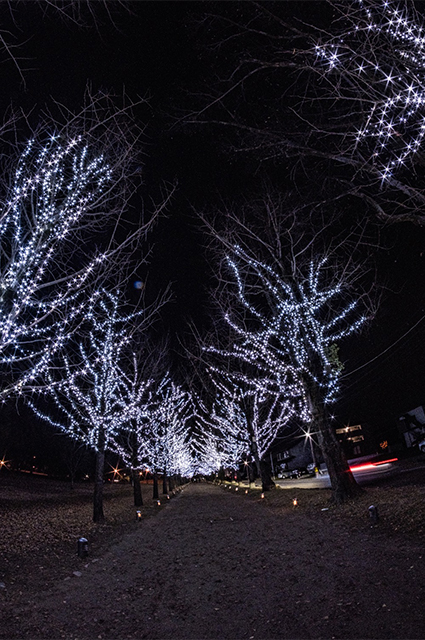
{"x": 156, "y": 51}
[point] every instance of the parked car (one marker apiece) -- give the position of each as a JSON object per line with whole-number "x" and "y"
{"x": 421, "y": 446}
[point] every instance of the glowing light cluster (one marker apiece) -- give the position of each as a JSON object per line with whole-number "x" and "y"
{"x": 293, "y": 347}
{"x": 153, "y": 432}
{"x": 224, "y": 437}
{"x": 381, "y": 55}
{"x": 169, "y": 444}
{"x": 54, "y": 187}
{"x": 242, "y": 422}
{"x": 91, "y": 395}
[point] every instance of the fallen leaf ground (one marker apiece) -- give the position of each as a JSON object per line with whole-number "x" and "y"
{"x": 212, "y": 563}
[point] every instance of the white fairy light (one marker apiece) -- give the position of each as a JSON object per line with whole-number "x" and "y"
{"x": 91, "y": 396}
{"x": 154, "y": 434}
{"x": 294, "y": 344}
{"x": 242, "y": 421}
{"x": 169, "y": 442}
{"x": 382, "y": 54}
{"x": 54, "y": 187}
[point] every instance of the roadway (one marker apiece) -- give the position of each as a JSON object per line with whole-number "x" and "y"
{"x": 396, "y": 473}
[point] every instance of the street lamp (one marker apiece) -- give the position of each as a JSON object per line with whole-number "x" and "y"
{"x": 246, "y": 463}
{"x": 313, "y": 457}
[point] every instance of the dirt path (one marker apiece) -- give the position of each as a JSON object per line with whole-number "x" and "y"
{"x": 214, "y": 565}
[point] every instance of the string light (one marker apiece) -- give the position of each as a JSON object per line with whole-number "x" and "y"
{"x": 297, "y": 336}
{"x": 382, "y": 54}
{"x": 293, "y": 349}
{"x": 91, "y": 394}
{"x": 54, "y": 187}
{"x": 155, "y": 433}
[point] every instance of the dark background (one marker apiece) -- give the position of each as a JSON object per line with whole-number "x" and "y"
{"x": 156, "y": 50}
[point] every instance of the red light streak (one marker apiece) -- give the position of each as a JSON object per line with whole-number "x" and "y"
{"x": 371, "y": 465}
{"x": 361, "y": 467}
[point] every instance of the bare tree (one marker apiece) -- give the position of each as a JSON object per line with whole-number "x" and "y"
{"x": 244, "y": 422}
{"x": 130, "y": 441}
{"x": 168, "y": 447}
{"x": 293, "y": 306}
{"x": 80, "y": 13}
{"x": 67, "y": 190}
{"x": 330, "y": 92}
{"x": 223, "y": 438}
{"x": 90, "y": 394}
{"x": 143, "y": 388}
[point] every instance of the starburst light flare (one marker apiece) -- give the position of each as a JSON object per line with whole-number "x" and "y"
{"x": 379, "y": 59}
{"x": 91, "y": 396}
{"x": 297, "y": 336}
{"x": 56, "y": 186}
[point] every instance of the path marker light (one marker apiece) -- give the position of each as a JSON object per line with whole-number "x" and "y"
{"x": 138, "y": 516}
{"x": 295, "y": 502}
{"x": 82, "y": 548}
{"x": 373, "y": 514}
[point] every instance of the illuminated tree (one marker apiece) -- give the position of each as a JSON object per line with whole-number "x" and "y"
{"x": 376, "y": 59}
{"x": 168, "y": 447}
{"x": 222, "y": 440}
{"x": 209, "y": 458}
{"x": 153, "y": 434}
{"x": 91, "y": 395}
{"x": 290, "y": 337}
{"x": 55, "y": 187}
{"x": 334, "y": 91}
{"x": 62, "y": 227}
{"x": 244, "y": 421}
{"x": 130, "y": 441}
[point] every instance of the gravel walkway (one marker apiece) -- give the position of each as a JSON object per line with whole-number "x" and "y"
{"x": 216, "y": 565}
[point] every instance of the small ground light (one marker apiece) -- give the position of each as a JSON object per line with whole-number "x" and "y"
{"x": 237, "y": 489}
{"x": 295, "y": 502}
{"x": 262, "y": 495}
{"x": 373, "y": 514}
{"x": 158, "y": 502}
{"x": 246, "y": 490}
{"x": 138, "y": 516}
{"x": 83, "y": 548}
{"x": 168, "y": 497}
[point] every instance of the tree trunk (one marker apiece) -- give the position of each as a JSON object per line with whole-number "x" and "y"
{"x": 137, "y": 489}
{"x": 171, "y": 483}
{"x": 164, "y": 483}
{"x": 267, "y": 483}
{"x": 98, "y": 483}
{"x": 343, "y": 483}
{"x": 155, "y": 495}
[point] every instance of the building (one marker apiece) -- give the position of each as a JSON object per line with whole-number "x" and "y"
{"x": 411, "y": 426}
{"x": 353, "y": 440}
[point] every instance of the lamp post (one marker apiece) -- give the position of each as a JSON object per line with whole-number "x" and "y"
{"x": 246, "y": 463}
{"x": 313, "y": 457}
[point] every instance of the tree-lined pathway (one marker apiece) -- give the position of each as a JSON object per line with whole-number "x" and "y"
{"x": 217, "y": 565}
